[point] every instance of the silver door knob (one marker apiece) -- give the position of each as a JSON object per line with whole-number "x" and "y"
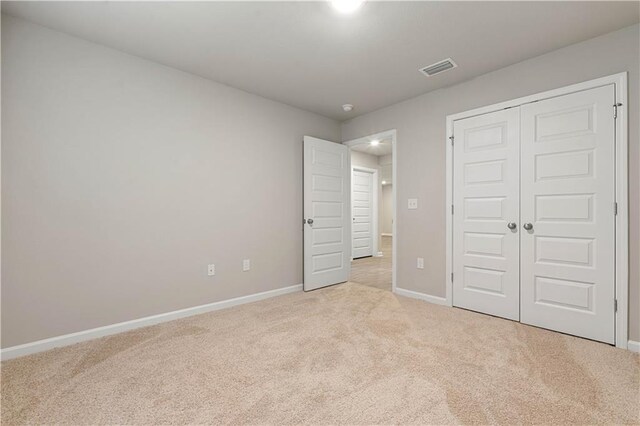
{"x": 310, "y": 221}
{"x": 528, "y": 226}
{"x": 512, "y": 225}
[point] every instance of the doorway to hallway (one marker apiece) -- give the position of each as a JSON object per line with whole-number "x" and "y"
{"x": 372, "y": 210}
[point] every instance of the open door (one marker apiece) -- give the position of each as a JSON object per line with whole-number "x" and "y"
{"x": 327, "y": 219}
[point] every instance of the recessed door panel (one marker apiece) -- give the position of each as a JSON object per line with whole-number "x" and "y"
{"x": 327, "y": 262}
{"x": 564, "y": 250}
{"x": 483, "y": 280}
{"x": 483, "y": 244}
{"x": 327, "y": 236}
{"x": 564, "y": 294}
{"x": 327, "y": 183}
{"x": 486, "y": 170}
{"x": 484, "y": 208}
{"x": 575, "y": 121}
{"x": 567, "y": 194}
{"x": 564, "y": 165}
{"x": 491, "y": 136}
{"x": 327, "y": 210}
{"x": 564, "y": 207}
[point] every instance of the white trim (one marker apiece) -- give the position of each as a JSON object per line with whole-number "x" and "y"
{"x": 385, "y": 234}
{"x": 394, "y": 195}
{"x": 421, "y": 296}
{"x": 448, "y": 213}
{"x": 622, "y": 219}
{"x": 94, "y": 333}
{"x": 633, "y": 346}
{"x": 375, "y": 202}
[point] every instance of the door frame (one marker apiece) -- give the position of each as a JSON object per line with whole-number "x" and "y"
{"x": 394, "y": 194}
{"x": 621, "y": 269}
{"x": 374, "y": 215}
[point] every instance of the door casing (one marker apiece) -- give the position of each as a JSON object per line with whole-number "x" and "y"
{"x": 621, "y": 182}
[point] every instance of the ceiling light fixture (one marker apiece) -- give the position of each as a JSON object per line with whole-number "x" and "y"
{"x": 347, "y": 107}
{"x": 346, "y": 6}
{"x": 375, "y": 142}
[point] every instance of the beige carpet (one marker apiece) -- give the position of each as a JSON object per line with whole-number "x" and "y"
{"x": 374, "y": 271}
{"x": 348, "y": 354}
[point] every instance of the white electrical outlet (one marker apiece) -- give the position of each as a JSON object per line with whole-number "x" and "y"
{"x": 412, "y": 203}
{"x": 211, "y": 270}
{"x": 420, "y": 263}
{"x": 246, "y": 265}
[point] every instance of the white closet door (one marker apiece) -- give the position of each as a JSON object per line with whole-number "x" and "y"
{"x": 567, "y": 267}
{"x": 362, "y": 205}
{"x": 486, "y": 175}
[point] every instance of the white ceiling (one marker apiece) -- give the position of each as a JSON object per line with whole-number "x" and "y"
{"x": 306, "y": 55}
{"x": 383, "y": 148}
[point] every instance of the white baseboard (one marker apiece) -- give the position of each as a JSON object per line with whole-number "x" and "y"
{"x": 384, "y": 234}
{"x": 426, "y": 297}
{"x": 380, "y": 254}
{"x": 633, "y": 346}
{"x": 81, "y": 336}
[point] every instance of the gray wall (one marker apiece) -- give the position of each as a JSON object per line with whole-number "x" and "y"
{"x": 387, "y": 209}
{"x": 385, "y": 163}
{"x": 421, "y": 148}
{"x": 122, "y": 179}
{"x": 363, "y": 159}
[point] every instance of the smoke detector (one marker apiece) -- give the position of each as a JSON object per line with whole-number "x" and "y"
{"x": 438, "y": 67}
{"x": 347, "y": 107}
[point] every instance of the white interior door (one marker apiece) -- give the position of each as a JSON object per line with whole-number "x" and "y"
{"x": 486, "y": 210}
{"x": 568, "y": 187}
{"x": 327, "y": 221}
{"x": 362, "y": 210}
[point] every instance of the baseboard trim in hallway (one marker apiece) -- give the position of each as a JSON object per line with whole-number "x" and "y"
{"x": 422, "y": 296}
{"x": 94, "y": 333}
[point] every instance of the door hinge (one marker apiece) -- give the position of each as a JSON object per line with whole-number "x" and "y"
{"x": 615, "y": 209}
{"x": 615, "y": 305}
{"x": 451, "y": 208}
{"x": 615, "y": 109}
{"x": 451, "y": 139}
{"x": 452, "y": 277}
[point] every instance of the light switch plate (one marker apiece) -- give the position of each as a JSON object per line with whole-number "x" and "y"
{"x": 420, "y": 263}
{"x": 211, "y": 270}
{"x": 412, "y": 203}
{"x": 246, "y": 265}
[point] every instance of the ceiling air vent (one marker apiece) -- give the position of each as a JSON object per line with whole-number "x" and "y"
{"x": 438, "y": 67}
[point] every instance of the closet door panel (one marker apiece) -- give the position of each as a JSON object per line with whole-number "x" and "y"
{"x": 486, "y": 174}
{"x": 567, "y": 195}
